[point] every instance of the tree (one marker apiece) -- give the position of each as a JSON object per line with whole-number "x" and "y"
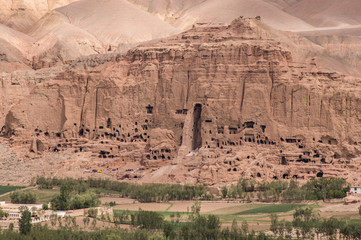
{"x": 147, "y": 220}
{"x": 168, "y": 230}
{"x": 232, "y": 191}
{"x": 11, "y": 226}
{"x": 196, "y": 209}
{"x": 86, "y": 221}
{"x": 329, "y": 227}
{"x": 83, "y": 200}
{"x": 224, "y": 191}
{"x": 25, "y": 222}
{"x": 213, "y": 226}
{"x": 303, "y": 219}
{"x": 93, "y": 212}
{"x": 94, "y": 223}
{"x": 60, "y": 221}
{"x": 75, "y": 225}
{"x": 234, "y": 229}
{"x": 274, "y": 223}
{"x": 3, "y": 213}
{"x": 245, "y": 227}
{"x": 289, "y": 228}
{"x": 53, "y": 219}
{"x": 23, "y": 197}
{"x": 67, "y": 221}
{"x": 281, "y": 228}
{"x": 60, "y": 202}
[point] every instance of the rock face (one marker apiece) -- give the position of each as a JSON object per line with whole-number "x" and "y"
{"x": 211, "y": 105}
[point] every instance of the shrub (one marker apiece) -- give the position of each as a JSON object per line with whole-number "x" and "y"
{"x": 93, "y": 212}
{"x": 83, "y": 200}
{"x": 3, "y": 214}
{"x": 147, "y": 220}
{"x": 67, "y": 200}
{"x": 27, "y": 197}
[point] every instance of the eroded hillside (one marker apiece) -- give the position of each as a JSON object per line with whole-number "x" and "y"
{"x": 210, "y": 105}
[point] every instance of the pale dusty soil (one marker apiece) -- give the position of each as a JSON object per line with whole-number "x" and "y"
{"x": 252, "y": 226}
{"x": 80, "y": 223}
{"x": 341, "y": 208}
{"x": 181, "y": 206}
{"x": 117, "y": 200}
{"x": 143, "y": 206}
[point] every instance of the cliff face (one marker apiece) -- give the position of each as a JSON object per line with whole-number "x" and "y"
{"x": 211, "y": 105}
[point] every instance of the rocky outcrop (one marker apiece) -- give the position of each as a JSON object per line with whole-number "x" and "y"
{"x": 211, "y": 105}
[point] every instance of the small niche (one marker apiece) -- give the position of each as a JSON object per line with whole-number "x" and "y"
{"x": 149, "y": 109}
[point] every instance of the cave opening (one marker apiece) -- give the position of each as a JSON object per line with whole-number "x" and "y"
{"x": 284, "y": 161}
{"x": 197, "y": 134}
{"x": 149, "y": 109}
{"x": 81, "y": 132}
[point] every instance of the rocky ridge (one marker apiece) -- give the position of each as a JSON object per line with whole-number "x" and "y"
{"x": 210, "y": 105}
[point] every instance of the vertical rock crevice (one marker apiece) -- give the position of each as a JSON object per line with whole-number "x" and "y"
{"x": 197, "y": 127}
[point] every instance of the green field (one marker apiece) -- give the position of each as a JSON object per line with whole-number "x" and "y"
{"x": 271, "y": 208}
{"x": 354, "y": 220}
{"x": 42, "y": 195}
{"x": 5, "y": 189}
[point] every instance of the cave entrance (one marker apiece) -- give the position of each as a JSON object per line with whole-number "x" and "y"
{"x": 319, "y": 174}
{"x": 197, "y": 134}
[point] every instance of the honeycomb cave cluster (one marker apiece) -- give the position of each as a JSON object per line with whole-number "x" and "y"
{"x": 211, "y": 105}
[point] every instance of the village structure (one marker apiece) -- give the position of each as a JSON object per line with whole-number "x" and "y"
{"x": 14, "y": 213}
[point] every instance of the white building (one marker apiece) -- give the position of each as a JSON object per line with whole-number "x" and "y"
{"x": 14, "y": 211}
{"x": 355, "y": 190}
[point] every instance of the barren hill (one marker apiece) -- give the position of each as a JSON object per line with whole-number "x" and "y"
{"x": 167, "y": 10}
{"x": 327, "y": 13}
{"x": 115, "y": 21}
{"x": 58, "y": 41}
{"x": 87, "y": 27}
{"x": 184, "y": 15}
{"x": 22, "y": 14}
{"x": 13, "y": 50}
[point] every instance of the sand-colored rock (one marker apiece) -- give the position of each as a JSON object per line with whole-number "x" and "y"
{"x": 210, "y": 105}
{"x": 184, "y": 14}
{"x": 57, "y": 32}
{"x": 326, "y": 13}
{"x": 116, "y": 22}
{"x": 79, "y": 29}
{"x": 22, "y": 14}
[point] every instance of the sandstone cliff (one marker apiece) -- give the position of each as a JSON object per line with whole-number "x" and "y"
{"x": 211, "y": 105}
